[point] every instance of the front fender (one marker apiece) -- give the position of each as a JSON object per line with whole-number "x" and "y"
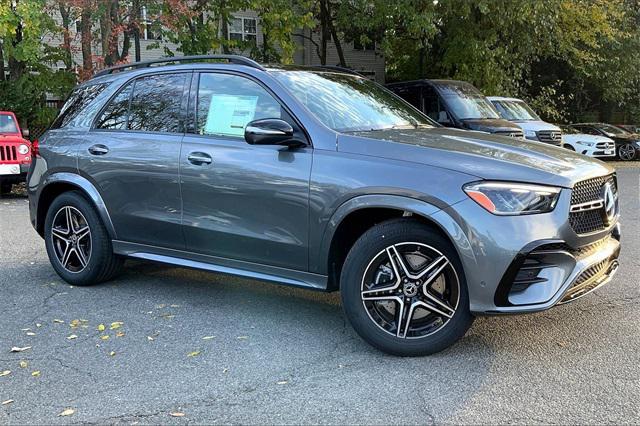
{"x": 86, "y": 187}
{"x": 448, "y": 225}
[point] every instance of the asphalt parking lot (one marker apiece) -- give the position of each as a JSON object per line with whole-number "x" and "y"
{"x": 190, "y": 347}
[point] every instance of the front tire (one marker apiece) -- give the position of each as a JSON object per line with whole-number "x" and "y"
{"x": 627, "y": 152}
{"x": 5, "y": 188}
{"x": 78, "y": 245}
{"x": 403, "y": 289}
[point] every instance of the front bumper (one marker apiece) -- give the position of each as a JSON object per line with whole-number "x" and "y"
{"x": 494, "y": 249}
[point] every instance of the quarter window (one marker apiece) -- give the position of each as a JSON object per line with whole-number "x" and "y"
{"x": 226, "y": 103}
{"x": 156, "y": 105}
{"x": 79, "y": 99}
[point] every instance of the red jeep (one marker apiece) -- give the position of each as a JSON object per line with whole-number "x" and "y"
{"x": 15, "y": 152}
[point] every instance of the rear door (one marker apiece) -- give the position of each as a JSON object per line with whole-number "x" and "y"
{"x": 132, "y": 157}
{"x": 243, "y": 202}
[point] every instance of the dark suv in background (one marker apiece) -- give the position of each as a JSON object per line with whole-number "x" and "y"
{"x": 454, "y": 103}
{"x": 324, "y": 180}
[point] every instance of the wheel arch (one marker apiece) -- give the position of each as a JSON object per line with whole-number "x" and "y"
{"x": 59, "y": 183}
{"x": 359, "y": 214}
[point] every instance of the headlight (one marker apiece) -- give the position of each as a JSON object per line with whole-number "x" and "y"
{"x": 505, "y": 198}
{"x": 585, "y": 143}
{"x": 530, "y": 134}
{"x": 23, "y": 149}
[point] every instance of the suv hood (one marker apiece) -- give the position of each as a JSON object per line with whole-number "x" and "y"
{"x": 536, "y": 125}
{"x": 12, "y": 138}
{"x": 491, "y": 125}
{"x": 480, "y": 155}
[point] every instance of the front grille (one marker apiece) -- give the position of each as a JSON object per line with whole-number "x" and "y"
{"x": 590, "y": 279}
{"x": 553, "y": 137}
{"x": 590, "y": 190}
{"x": 578, "y": 253}
{"x": 605, "y": 145}
{"x": 8, "y": 153}
{"x": 511, "y": 133}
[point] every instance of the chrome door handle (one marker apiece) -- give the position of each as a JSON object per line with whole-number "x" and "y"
{"x": 98, "y": 150}
{"x": 199, "y": 158}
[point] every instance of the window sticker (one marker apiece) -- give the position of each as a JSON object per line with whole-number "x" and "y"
{"x": 229, "y": 114}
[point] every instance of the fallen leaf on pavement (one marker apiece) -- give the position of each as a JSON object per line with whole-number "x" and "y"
{"x": 24, "y": 364}
{"x": 38, "y": 325}
{"x": 208, "y": 337}
{"x": 71, "y": 337}
{"x": 175, "y": 306}
{"x": 120, "y": 334}
{"x": 105, "y": 337}
{"x": 194, "y": 353}
{"x": 226, "y": 370}
{"x": 562, "y": 344}
{"x": 116, "y": 325}
{"x": 58, "y": 321}
{"x": 67, "y": 412}
{"x": 5, "y": 373}
{"x": 36, "y": 374}
{"x": 112, "y": 353}
{"x": 18, "y": 349}
{"x": 25, "y": 329}
{"x": 282, "y": 382}
{"x": 242, "y": 337}
{"x": 149, "y": 338}
{"x": 101, "y": 327}
{"x": 177, "y": 414}
{"x": 8, "y": 401}
{"x": 30, "y": 333}
{"x": 74, "y": 323}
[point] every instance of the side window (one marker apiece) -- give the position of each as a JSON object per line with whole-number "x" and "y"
{"x": 226, "y": 103}
{"x": 431, "y": 104}
{"x": 156, "y": 104}
{"x": 79, "y": 99}
{"x": 115, "y": 115}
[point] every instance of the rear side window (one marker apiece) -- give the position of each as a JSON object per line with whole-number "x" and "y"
{"x": 156, "y": 105}
{"x": 79, "y": 99}
{"x": 115, "y": 115}
{"x": 151, "y": 104}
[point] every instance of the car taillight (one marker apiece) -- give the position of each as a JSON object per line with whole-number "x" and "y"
{"x": 35, "y": 148}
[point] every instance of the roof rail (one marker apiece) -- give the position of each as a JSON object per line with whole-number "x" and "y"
{"x": 341, "y": 69}
{"x": 233, "y": 59}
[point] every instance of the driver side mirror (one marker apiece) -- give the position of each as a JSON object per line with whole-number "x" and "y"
{"x": 25, "y": 133}
{"x": 270, "y": 131}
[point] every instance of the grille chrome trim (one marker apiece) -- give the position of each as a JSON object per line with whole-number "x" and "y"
{"x": 589, "y": 205}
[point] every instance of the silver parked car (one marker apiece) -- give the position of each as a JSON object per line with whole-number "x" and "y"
{"x": 325, "y": 180}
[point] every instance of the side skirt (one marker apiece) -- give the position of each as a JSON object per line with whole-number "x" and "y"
{"x": 222, "y": 265}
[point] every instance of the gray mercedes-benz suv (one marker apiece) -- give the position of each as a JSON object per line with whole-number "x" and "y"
{"x": 321, "y": 179}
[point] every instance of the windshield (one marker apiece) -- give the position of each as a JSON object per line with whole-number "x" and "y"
{"x": 7, "y": 124}
{"x": 347, "y": 103}
{"x": 466, "y": 102}
{"x": 515, "y": 111}
{"x": 611, "y": 130}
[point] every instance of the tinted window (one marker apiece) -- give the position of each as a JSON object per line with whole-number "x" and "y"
{"x": 7, "y": 124}
{"x": 79, "y": 99}
{"x": 346, "y": 102}
{"x": 226, "y": 103}
{"x": 116, "y": 113}
{"x": 515, "y": 110}
{"x": 156, "y": 105}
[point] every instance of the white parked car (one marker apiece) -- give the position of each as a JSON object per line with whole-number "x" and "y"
{"x": 518, "y": 112}
{"x": 591, "y": 145}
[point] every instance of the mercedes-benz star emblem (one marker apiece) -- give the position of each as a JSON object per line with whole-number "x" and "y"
{"x": 609, "y": 202}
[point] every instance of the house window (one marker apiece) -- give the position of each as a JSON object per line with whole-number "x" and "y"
{"x": 150, "y": 27}
{"x": 358, "y": 45}
{"x": 243, "y": 29}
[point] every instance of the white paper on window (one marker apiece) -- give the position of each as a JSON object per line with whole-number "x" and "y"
{"x": 229, "y": 114}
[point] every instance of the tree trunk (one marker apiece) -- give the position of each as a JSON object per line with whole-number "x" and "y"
{"x": 136, "y": 27}
{"x": 2, "y": 71}
{"x": 65, "y": 12}
{"x": 16, "y": 68}
{"x": 105, "y": 32}
{"x": 325, "y": 33}
{"x": 334, "y": 35}
{"x": 85, "y": 39}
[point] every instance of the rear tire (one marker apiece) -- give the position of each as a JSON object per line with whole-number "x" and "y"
{"x": 5, "y": 188}
{"x": 427, "y": 311}
{"x": 78, "y": 244}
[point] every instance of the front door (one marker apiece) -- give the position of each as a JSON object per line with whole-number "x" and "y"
{"x": 132, "y": 157}
{"x": 240, "y": 201}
